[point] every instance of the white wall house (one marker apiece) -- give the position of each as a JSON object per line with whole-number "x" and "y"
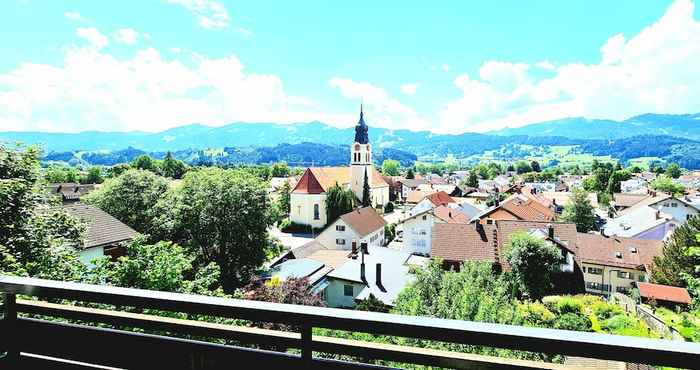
{"x": 633, "y": 185}
{"x": 308, "y": 209}
{"x": 363, "y": 225}
{"x": 418, "y": 229}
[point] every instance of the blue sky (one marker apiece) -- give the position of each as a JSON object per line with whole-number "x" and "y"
{"x": 448, "y": 66}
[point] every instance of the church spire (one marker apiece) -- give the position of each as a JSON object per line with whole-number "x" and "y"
{"x": 361, "y": 129}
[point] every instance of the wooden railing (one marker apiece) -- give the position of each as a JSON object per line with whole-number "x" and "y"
{"x": 32, "y": 337}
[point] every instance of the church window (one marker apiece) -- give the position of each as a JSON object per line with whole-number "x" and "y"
{"x": 317, "y": 214}
{"x": 299, "y": 210}
{"x": 357, "y": 146}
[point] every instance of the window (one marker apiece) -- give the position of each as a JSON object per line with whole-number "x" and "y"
{"x": 674, "y": 204}
{"x": 347, "y": 290}
{"x": 592, "y": 285}
{"x": 425, "y": 217}
{"x": 299, "y": 210}
{"x": 595, "y": 271}
{"x": 339, "y": 227}
{"x": 606, "y": 288}
{"x": 621, "y": 289}
{"x": 317, "y": 214}
{"x": 340, "y": 241}
{"x": 623, "y": 275}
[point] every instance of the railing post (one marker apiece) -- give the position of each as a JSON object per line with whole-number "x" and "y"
{"x": 11, "y": 358}
{"x": 306, "y": 343}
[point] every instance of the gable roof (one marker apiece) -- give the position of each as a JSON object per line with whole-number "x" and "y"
{"x": 450, "y": 215}
{"x": 523, "y": 208}
{"x": 412, "y": 183}
{"x": 440, "y": 198}
{"x": 664, "y": 293}
{"x": 364, "y": 220}
{"x": 317, "y": 180}
{"x": 103, "y": 229}
{"x": 465, "y": 242}
{"x": 617, "y": 251}
{"x": 415, "y": 196}
{"x": 628, "y": 199}
{"x": 70, "y": 191}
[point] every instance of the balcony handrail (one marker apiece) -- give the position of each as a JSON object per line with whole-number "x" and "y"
{"x": 572, "y": 343}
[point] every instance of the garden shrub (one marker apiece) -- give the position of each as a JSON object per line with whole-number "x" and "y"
{"x": 569, "y": 305}
{"x": 604, "y": 311}
{"x": 572, "y": 321}
{"x": 536, "y": 314}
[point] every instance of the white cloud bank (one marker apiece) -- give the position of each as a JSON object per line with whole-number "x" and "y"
{"x": 127, "y": 36}
{"x": 409, "y": 88}
{"x": 93, "y": 90}
{"x": 653, "y": 71}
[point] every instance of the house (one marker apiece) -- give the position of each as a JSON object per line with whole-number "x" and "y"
{"x": 556, "y": 200}
{"x": 362, "y": 225}
{"x": 546, "y": 186}
{"x": 409, "y": 185}
{"x": 457, "y": 243}
{"x": 431, "y": 201}
{"x": 654, "y": 217}
{"x": 105, "y": 234}
{"x": 395, "y": 186}
{"x": 447, "y": 188}
{"x": 308, "y": 199}
{"x": 380, "y": 272}
{"x": 690, "y": 180}
{"x": 517, "y": 207}
{"x": 571, "y": 181}
{"x": 462, "y": 191}
{"x": 663, "y": 294}
{"x": 415, "y": 196}
{"x": 614, "y": 264}
{"x": 70, "y": 192}
{"x": 417, "y": 229}
{"x": 634, "y": 185}
{"x": 622, "y": 201}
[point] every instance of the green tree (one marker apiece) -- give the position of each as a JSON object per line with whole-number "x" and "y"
{"x": 410, "y": 174}
{"x": 279, "y": 169}
{"x": 131, "y": 198}
{"x": 616, "y": 179}
{"x": 339, "y": 201}
{"x": 37, "y": 237}
{"x": 677, "y": 260}
{"x": 162, "y": 266}
{"x": 366, "y": 196}
{"x": 391, "y": 167}
{"x": 118, "y": 169}
{"x": 93, "y": 176}
{"x": 534, "y": 261}
{"x": 171, "y": 167}
{"x": 285, "y": 197}
{"x": 472, "y": 180}
{"x": 665, "y": 184}
{"x": 673, "y": 170}
{"x": 522, "y": 167}
{"x": 144, "y": 162}
{"x": 535, "y": 166}
{"x": 580, "y": 211}
{"x": 222, "y": 216}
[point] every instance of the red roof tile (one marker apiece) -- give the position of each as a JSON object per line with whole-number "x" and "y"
{"x": 364, "y": 220}
{"x": 440, "y": 198}
{"x": 664, "y": 293}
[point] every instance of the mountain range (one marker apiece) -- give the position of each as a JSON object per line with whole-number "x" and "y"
{"x": 671, "y": 137}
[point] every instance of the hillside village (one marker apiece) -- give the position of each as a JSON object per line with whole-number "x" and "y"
{"x": 363, "y": 236}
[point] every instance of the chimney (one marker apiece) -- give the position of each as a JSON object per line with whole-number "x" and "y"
{"x": 363, "y": 247}
{"x": 362, "y": 272}
{"x": 354, "y": 246}
{"x": 550, "y": 231}
{"x": 378, "y": 281}
{"x": 658, "y": 214}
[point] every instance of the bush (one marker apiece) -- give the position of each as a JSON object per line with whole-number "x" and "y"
{"x": 618, "y": 323}
{"x": 288, "y": 226}
{"x": 569, "y": 305}
{"x": 551, "y": 302}
{"x": 536, "y": 314}
{"x": 604, "y": 311}
{"x": 572, "y": 321}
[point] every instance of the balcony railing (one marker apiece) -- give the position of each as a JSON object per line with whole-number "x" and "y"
{"x": 40, "y": 333}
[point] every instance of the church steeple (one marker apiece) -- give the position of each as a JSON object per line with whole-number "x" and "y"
{"x": 361, "y": 128}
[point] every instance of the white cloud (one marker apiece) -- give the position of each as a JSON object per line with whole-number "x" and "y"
{"x": 244, "y": 31}
{"x": 653, "y": 71}
{"x": 126, "y": 36}
{"x": 546, "y": 65}
{"x": 93, "y": 90}
{"x": 210, "y": 14}
{"x": 409, "y": 88}
{"x": 75, "y": 16}
{"x": 385, "y": 110}
{"x": 93, "y": 36}
{"x": 445, "y": 67}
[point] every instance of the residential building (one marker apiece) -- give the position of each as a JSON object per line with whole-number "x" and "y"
{"x": 362, "y": 225}
{"x": 70, "y": 192}
{"x": 409, "y": 185}
{"x": 308, "y": 199}
{"x": 417, "y": 229}
{"x": 447, "y": 188}
{"x": 654, "y": 217}
{"x": 551, "y": 187}
{"x": 105, "y": 235}
{"x": 380, "y": 272}
{"x": 431, "y": 201}
{"x": 634, "y": 185}
{"x": 614, "y": 264}
{"x": 415, "y": 196}
{"x": 517, "y": 207}
{"x": 457, "y": 243}
{"x": 622, "y": 201}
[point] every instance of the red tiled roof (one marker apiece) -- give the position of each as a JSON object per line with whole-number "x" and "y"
{"x": 415, "y": 196}
{"x": 664, "y": 293}
{"x": 603, "y": 250}
{"x": 364, "y": 220}
{"x": 450, "y": 215}
{"x": 308, "y": 184}
{"x": 628, "y": 199}
{"x": 465, "y": 242}
{"x": 317, "y": 180}
{"x": 527, "y": 209}
{"x": 440, "y": 198}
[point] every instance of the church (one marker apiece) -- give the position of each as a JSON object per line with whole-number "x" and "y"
{"x": 308, "y": 199}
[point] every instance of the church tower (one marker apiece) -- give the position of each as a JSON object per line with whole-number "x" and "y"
{"x": 360, "y": 158}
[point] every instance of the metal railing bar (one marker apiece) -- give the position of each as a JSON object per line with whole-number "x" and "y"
{"x": 601, "y": 346}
